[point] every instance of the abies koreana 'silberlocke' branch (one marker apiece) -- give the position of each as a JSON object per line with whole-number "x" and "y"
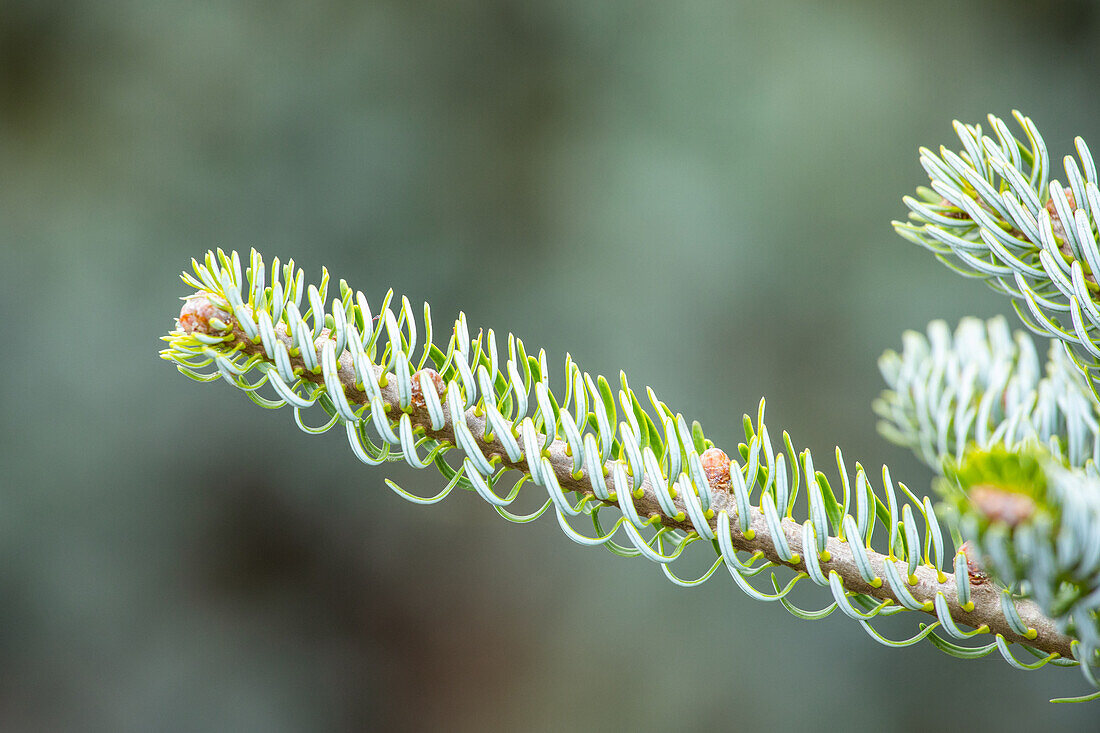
{"x": 477, "y": 415}
{"x": 1019, "y": 452}
{"x": 991, "y": 212}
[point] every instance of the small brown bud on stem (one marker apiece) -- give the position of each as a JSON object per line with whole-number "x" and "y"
{"x": 973, "y": 569}
{"x": 716, "y": 466}
{"x": 1055, "y": 220}
{"x": 417, "y": 399}
{"x": 999, "y": 505}
{"x": 196, "y": 313}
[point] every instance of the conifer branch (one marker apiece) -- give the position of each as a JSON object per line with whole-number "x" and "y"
{"x": 671, "y": 486}
{"x": 992, "y": 214}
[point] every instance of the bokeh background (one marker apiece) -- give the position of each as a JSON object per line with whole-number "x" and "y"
{"x": 697, "y": 193}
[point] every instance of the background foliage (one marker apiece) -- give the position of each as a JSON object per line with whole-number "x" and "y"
{"x": 700, "y": 194}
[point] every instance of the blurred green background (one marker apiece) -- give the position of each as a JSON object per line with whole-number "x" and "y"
{"x": 697, "y": 193}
